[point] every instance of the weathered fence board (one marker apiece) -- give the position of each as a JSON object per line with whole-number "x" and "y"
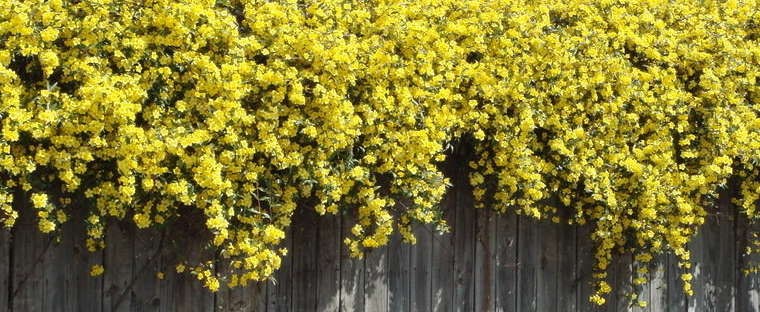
{"x": 5, "y": 268}
{"x": 464, "y": 245}
{"x": 421, "y": 261}
{"x": 351, "y": 274}
{"x": 328, "y": 265}
{"x": 304, "y": 277}
{"x": 443, "y": 265}
{"x": 488, "y": 262}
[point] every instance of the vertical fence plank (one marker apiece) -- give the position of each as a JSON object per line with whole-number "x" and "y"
{"x": 658, "y": 285}
{"x": 567, "y": 280}
{"x": 528, "y": 264}
{"x": 29, "y": 248}
{"x": 713, "y": 258}
{"x": 328, "y": 266}
{"x": 676, "y": 296}
{"x": 189, "y": 294}
{"x": 376, "y": 280}
{"x": 622, "y": 289}
{"x": 585, "y": 268}
{"x": 399, "y": 278}
{"x": 443, "y": 252}
{"x": 421, "y": 261}
{"x": 71, "y": 288}
{"x": 506, "y": 262}
{"x": 485, "y": 260}
{"x": 5, "y": 267}
{"x": 464, "y": 244}
{"x": 54, "y": 292}
{"x": 279, "y": 290}
{"x": 351, "y": 272}
{"x": 168, "y": 286}
{"x": 642, "y": 303}
{"x": 251, "y": 297}
{"x": 547, "y": 271}
{"x": 119, "y": 265}
{"x": 147, "y": 251}
{"x": 305, "y": 250}
{"x": 747, "y": 285}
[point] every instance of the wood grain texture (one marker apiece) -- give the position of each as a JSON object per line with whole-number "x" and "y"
{"x": 328, "y": 263}
{"x": 442, "y": 279}
{"x": 304, "y": 277}
{"x": 547, "y": 271}
{"x": 658, "y": 285}
{"x": 463, "y": 227}
{"x": 5, "y": 267}
{"x": 376, "y": 280}
{"x": 584, "y": 269}
{"x": 422, "y": 263}
{"x": 279, "y": 290}
{"x": 506, "y": 263}
{"x": 29, "y": 251}
{"x": 351, "y": 272}
{"x": 747, "y": 285}
{"x": 487, "y": 262}
{"x": 567, "y": 279}
{"x": 714, "y": 257}
{"x": 529, "y": 264}
{"x": 399, "y": 278}
{"x": 119, "y": 267}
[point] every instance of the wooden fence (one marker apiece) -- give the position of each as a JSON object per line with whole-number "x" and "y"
{"x": 487, "y": 262}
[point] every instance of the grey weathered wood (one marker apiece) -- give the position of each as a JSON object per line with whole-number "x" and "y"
{"x": 119, "y": 263}
{"x": 485, "y": 261}
{"x": 5, "y": 267}
{"x": 145, "y": 292}
{"x": 658, "y": 285}
{"x": 279, "y": 290}
{"x": 567, "y": 280}
{"x": 442, "y": 280}
{"x": 399, "y": 278}
{"x": 421, "y": 262}
{"x": 328, "y": 263}
{"x": 189, "y": 295}
{"x": 747, "y": 285}
{"x": 29, "y": 249}
{"x": 168, "y": 286}
{"x": 251, "y": 297}
{"x": 506, "y": 263}
{"x": 643, "y": 292}
{"x": 54, "y": 292}
{"x": 89, "y": 288}
{"x": 584, "y": 270}
{"x": 351, "y": 272}
{"x": 464, "y": 246}
{"x": 713, "y": 254}
{"x": 547, "y": 272}
{"x": 304, "y": 276}
{"x": 71, "y": 288}
{"x": 676, "y": 295}
{"x": 622, "y": 287}
{"x": 529, "y": 262}
{"x": 376, "y": 280}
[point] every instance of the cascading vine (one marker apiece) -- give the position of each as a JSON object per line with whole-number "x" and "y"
{"x": 632, "y": 115}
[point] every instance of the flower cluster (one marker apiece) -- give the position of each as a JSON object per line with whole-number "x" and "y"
{"x": 631, "y": 115}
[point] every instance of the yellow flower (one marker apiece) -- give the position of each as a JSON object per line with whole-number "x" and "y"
{"x": 96, "y": 270}
{"x": 49, "y": 34}
{"x": 39, "y": 200}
